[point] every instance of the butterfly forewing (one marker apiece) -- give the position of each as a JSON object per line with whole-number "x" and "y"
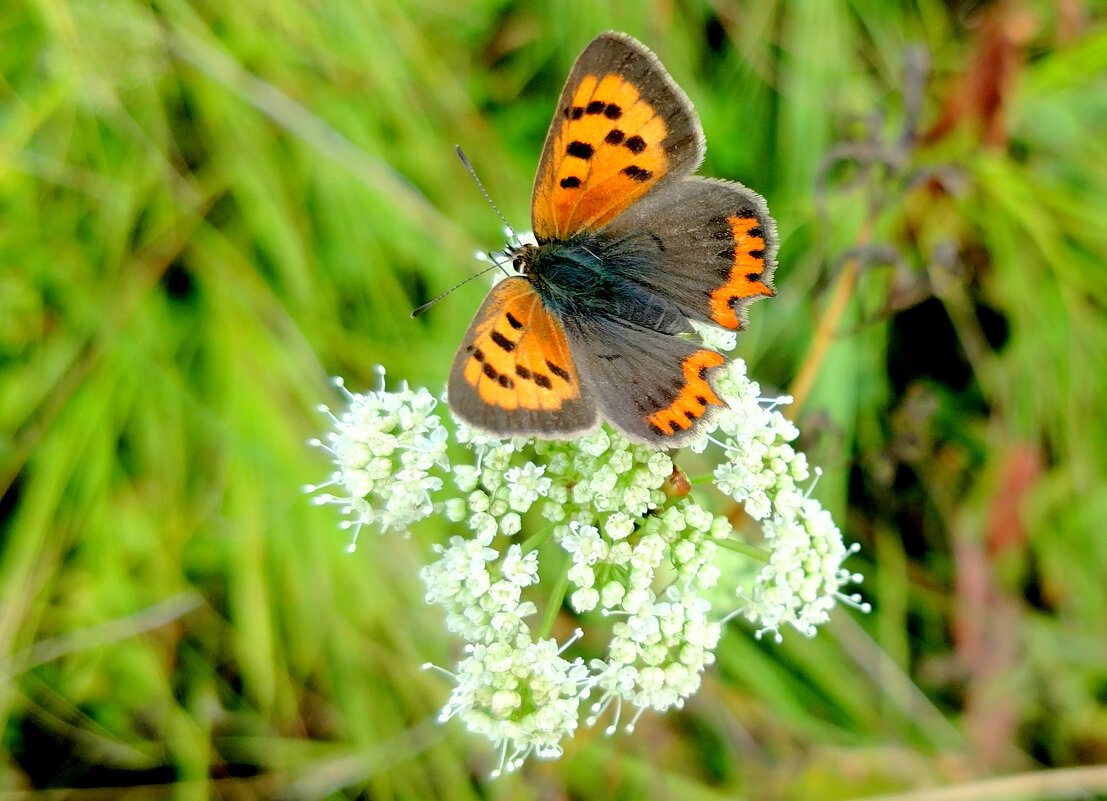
{"x": 514, "y": 373}
{"x": 622, "y": 125}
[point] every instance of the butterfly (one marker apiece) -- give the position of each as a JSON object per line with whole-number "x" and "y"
{"x": 631, "y": 247}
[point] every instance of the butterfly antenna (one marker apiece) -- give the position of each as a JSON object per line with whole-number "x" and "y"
{"x": 496, "y": 264}
{"x": 483, "y": 191}
{"x": 430, "y": 303}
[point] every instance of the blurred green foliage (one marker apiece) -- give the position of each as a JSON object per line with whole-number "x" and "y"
{"x": 208, "y": 208}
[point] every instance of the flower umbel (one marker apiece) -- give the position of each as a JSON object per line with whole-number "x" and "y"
{"x": 520, "y": 694}
{"x": 638, "y": 563}
{"x": 385, "y": 446}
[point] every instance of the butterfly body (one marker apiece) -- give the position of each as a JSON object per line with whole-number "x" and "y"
{"x": 631, "y": 247}
{"x": 596, "y": 275}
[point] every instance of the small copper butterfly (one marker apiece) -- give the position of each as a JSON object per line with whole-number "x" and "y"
{"x": 632, "y": 246}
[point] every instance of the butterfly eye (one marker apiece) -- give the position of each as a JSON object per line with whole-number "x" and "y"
{"x": 521, "y": 256}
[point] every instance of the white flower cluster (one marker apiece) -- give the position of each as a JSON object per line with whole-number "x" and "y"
{"x": 804, "y": 576}
{"x": 761, "y": 468}
{"x": 802, "y": 581}
{"x": 520, "y": 694}
{"x": 638, "y": 556}
{"x": 482, "y": 606}
{"x": 385, "y": 446}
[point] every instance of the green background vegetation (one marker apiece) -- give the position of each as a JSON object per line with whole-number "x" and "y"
{"x": 208, "y": 208}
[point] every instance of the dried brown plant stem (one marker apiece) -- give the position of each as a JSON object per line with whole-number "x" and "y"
{"x": 827, "y": 328}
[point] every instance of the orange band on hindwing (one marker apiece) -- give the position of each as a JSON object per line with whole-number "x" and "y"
{"x": 694, "y": 398}
{"x": 747, "y": 267}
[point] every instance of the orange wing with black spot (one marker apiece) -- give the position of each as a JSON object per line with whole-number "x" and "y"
{"x": 514, "y": 373}
{"x": 622, "y": 126}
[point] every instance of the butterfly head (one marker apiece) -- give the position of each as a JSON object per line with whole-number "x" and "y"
{"x": 523, "y": 257}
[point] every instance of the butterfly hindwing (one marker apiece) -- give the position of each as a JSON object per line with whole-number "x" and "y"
{"x": 657, "y": 388}
{"x": 621, "y": 126}
{"x": 716, "y": 247}
{"x": 514, "y": 373}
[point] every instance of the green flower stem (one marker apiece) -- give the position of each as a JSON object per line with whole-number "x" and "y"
{"x": 538, "y": 539}
{"x": 752, "y": 551}
{"x": 553, "y": 606}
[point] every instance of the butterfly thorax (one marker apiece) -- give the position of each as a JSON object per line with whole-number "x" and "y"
{"x": 598, "y": 275}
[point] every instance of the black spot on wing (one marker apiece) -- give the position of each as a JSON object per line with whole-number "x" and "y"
{"x": 502, "y": 379}
{"x": 580, "y": 150}
{"x": 595, "y": 107}
{"x": 636, "y": 173}
{"x": 502, "y": 341}
{"x": 560, "y": 372}
{"x": 538, "y": 378}
{"x": 636, "y": 144}
{"x": 615, "y": 137}
{"x": 612, "y": 112}
{"x": 512, "y": 321}
{"x": 572, "y": 182}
